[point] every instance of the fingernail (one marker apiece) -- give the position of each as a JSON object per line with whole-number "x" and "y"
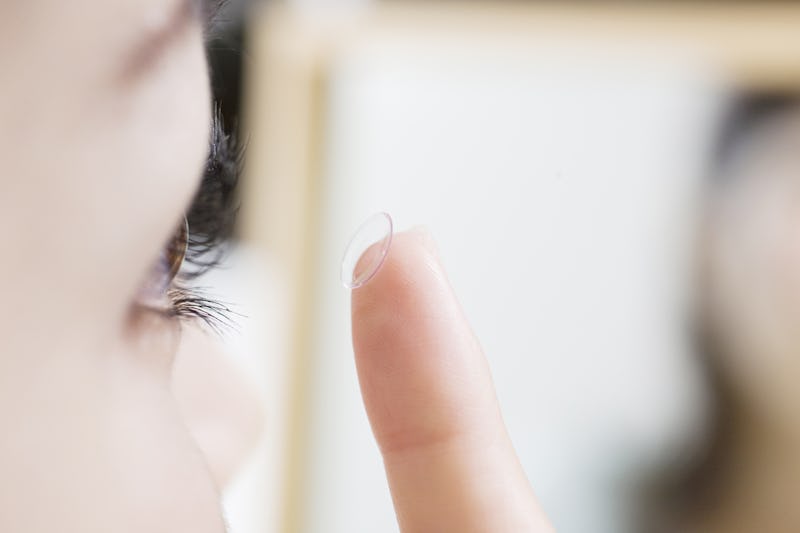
{"x": 367, "y": 251}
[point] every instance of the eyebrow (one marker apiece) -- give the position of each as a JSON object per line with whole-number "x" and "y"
{"x": 148, "y": 49}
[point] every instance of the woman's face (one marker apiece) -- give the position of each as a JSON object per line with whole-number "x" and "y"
{"x": 754, "y": 271}
{"x": 104, "y": 123}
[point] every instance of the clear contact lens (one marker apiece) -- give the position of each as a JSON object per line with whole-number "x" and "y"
{"x": 367, "y": 251}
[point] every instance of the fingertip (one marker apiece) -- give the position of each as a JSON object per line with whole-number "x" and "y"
{"x": 393, "y": 313}
{"x": 430, "y": 399}
{"x": 411, "y": 267}
{"x": 422, "y": 374}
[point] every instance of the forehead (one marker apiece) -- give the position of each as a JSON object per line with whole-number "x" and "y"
{"x": 70, "y": 46}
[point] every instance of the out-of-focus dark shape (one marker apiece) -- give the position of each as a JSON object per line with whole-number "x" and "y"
{"x": 748, "y": 331}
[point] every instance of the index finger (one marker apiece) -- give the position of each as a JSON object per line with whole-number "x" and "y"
{"x": 431, "y": 403}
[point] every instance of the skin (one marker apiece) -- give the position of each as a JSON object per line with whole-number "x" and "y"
{"x": 104, "y": 408}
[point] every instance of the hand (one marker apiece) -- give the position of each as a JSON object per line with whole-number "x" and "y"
{"x": 431, "y": 403}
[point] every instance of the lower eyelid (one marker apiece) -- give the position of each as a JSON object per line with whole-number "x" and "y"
{"x": 153, "y": 336}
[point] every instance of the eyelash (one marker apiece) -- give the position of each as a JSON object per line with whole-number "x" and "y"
{"x": 212, "y": 216}
{"x": 211, "y": 220}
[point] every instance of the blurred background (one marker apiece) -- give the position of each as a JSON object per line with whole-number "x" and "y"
{"x": 614, "y": 189}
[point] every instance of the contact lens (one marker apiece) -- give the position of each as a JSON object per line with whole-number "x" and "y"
{"x": 367, "y": 251}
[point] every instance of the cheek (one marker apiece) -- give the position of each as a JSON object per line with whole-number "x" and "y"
{"x": 94, "y": 445}
{"x": 161, "y": 476}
